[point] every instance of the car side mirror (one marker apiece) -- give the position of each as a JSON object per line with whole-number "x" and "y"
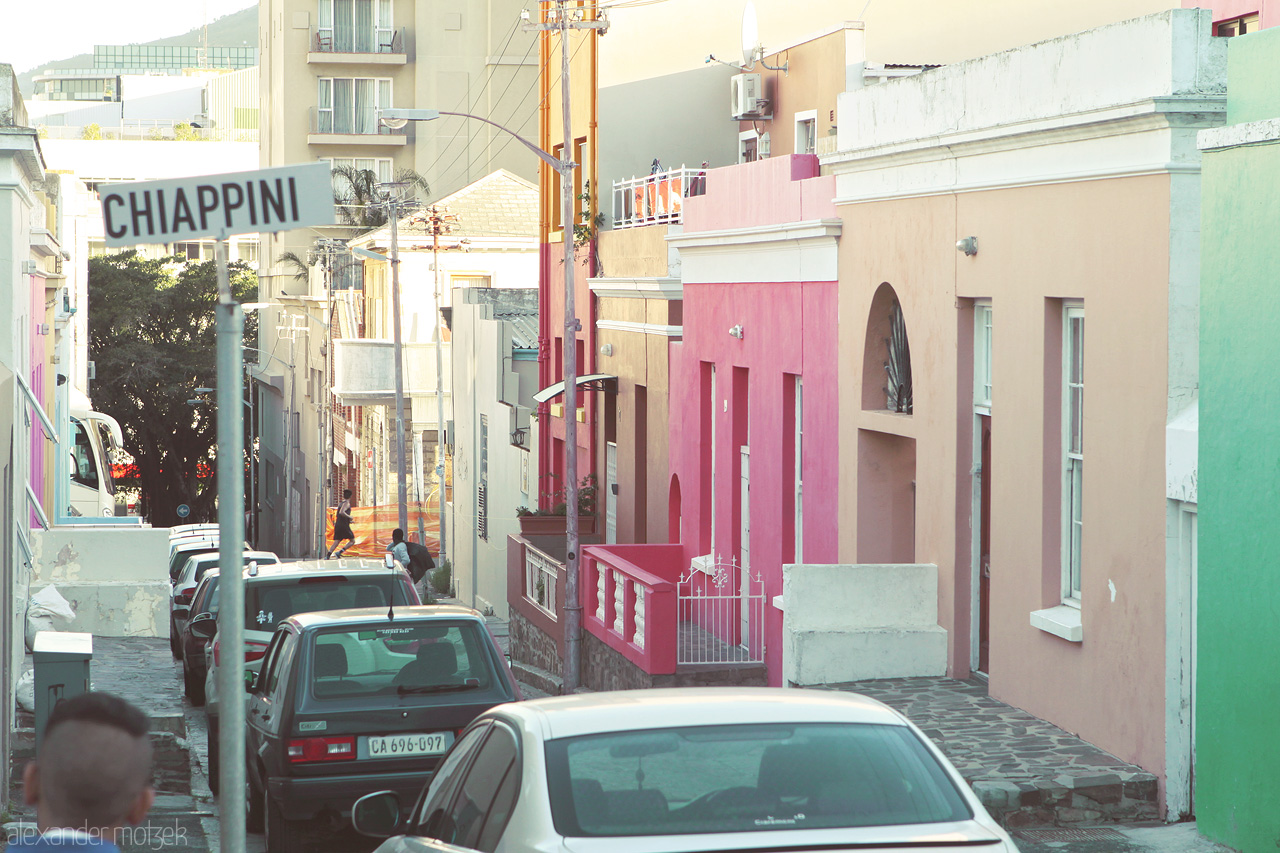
{"x": 251, "y": 681}
{"x": 204, "y": 626}
{"x": 377, "y": 815}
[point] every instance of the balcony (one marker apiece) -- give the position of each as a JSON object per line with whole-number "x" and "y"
{"x": 348, "y": 46}
{"x": 357, "y": 126}
{"x": 364, "y": 373}
{"x": 655, "y": 199}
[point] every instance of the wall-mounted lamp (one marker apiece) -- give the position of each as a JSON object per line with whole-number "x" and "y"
{"x": 736, "y": 332}
{"x": 518, "y": 435}
{"x": 606, "y": 349}
{"x": 968, "y": 245}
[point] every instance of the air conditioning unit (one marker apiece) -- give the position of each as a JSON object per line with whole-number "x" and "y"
{"x": 746, "y": 96}
{"x": 29, "y": 268}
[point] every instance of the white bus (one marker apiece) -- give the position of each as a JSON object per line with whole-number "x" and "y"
{"x": 92, "y": 492}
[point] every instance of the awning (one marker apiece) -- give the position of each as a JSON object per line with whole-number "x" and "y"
{"x": 39, "y": 410}
{"x": 590, "y": 382}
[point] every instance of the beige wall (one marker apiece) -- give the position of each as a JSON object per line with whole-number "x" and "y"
{"x": 663, "y": 38}
{"x": 638, "y": 359}
{"x": 633, "y": 252}
{"x": 1105, "y": 243}
{"x": 815, "y": 75}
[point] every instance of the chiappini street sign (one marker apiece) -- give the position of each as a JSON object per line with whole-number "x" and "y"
{"x": 217, "y": 205}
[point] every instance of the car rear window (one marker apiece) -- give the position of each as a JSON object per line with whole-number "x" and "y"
{"x": 270, "y": 602}
{"x": 440, "y": 658}
{"x": 747, "y": 778}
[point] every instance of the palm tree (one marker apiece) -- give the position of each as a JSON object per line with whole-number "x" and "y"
{"x": 356, "y": 195}
{"x": 301, "y": 267}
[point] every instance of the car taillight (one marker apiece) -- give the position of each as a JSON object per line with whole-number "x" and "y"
{"x": 321, "y": 749}
{"x": 184, "y": 597}
{"x": 252, "y": 651}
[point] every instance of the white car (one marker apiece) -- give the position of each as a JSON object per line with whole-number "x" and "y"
{"x": 689, "y": 769}
{"x": 184, "y": 587}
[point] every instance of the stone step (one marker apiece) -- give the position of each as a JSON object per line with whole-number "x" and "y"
{"x": 1071, "y": 800}
{"x": 538, "y": 679}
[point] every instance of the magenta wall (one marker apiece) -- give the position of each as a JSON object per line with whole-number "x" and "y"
{"x": 790, "y": 329}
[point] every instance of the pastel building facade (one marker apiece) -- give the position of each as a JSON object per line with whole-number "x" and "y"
{"x": 1237, "y": 691}
{"x": 1018, "y": 311}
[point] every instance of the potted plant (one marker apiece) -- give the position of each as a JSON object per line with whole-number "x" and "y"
{"x": 552, "y": 521}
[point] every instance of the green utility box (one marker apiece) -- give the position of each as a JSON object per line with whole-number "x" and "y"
{"x": 62, "y": 671}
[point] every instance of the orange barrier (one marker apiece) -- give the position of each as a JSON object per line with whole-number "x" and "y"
{"x": 372, "y": 526}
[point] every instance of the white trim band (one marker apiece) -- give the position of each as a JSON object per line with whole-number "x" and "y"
{"x": 658, "y": 287}
{"x": 1234, "y": 135}
{"x": 640, "y": 328}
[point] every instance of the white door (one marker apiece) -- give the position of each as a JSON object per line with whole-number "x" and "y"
{"x": 611, "y": 492}
{"x": 744, "y": 554}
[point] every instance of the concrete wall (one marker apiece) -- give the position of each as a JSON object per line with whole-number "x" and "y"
{"x": 1089, "y": 213}
{"x": 117, "y": 581}
{"x": 1237, "y": 693}
{"x": 850, "y": 623}
{"x": 636, "y": 118}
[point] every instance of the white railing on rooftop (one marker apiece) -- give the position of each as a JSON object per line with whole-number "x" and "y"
{"x": 657, "y": 198}
{"x": 148, "y": 133}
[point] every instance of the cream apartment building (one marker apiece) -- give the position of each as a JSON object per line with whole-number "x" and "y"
{"x": 327, "y": 66}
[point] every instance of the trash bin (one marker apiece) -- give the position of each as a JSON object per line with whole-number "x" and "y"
{"x": 62, "y": 670}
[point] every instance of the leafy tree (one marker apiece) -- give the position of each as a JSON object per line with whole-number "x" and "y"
{"x": 152, "y": 335}
{"x": 356, "y": 194}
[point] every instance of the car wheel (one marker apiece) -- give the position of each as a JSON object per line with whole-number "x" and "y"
{"x": 283, "y": 836}
{"x": 213, "y": 756}
{"x": 253, "y": 802}
{"x": 174, "y": 645}
{"x": 193, "y": 686}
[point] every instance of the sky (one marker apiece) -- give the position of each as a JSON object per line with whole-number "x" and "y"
{"x": 68, "y": 27}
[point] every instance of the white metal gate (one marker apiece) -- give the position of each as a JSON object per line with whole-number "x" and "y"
{"x": 721, "y": 616}
{"x": 611, "y": 493}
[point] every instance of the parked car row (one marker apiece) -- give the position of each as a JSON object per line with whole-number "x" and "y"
{"x": 366, "y": 708}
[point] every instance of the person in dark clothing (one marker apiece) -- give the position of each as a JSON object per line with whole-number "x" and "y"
{"x": 342, "y": 527}
{"x": 91, "y": 778}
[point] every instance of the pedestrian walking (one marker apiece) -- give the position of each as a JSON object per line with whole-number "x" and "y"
{"x": 91, "y": 778}
{"x": 342, "y": 527}
{"x": 420, "y": 562}
{"x": 398, "y": 548}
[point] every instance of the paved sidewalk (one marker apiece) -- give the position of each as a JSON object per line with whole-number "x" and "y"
{"x": 142, "y": 670}
{"x": 1027, "y": 772}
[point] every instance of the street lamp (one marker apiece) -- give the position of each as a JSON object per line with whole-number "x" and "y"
{"x": 396, "y": 118}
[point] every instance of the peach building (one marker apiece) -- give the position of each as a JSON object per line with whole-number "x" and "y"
{"x": 1018, "y": 306}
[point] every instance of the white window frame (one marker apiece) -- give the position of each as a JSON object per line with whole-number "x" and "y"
{"x": 807, "y": 143}
{"x": 324, "y": 101}
{"x": 982, "y": 357}
{"x": 381, "y": 28}
{"x": 1072, "y": 454}
{"x": 743, "y": 138}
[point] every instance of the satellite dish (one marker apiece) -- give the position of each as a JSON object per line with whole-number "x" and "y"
{"x": 750, "y": 34}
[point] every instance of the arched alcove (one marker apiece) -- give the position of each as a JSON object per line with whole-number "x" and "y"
{"x": 673, "y": 511}
{"x": 886, "y": 358}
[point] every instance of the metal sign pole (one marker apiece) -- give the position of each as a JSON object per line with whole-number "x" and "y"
{"x": 230, "y": 558}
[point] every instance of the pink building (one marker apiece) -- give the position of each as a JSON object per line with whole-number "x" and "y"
{"x": 753, "y": 429}
{"x": 1238, "y": 17}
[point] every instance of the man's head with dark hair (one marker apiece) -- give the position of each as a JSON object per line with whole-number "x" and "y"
{"x": 397, "y": 535}
{"x": 93, "y": 771}
{"x": 346, "y": 494}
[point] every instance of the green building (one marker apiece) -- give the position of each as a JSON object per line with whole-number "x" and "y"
{"x": 1237, "y": 709}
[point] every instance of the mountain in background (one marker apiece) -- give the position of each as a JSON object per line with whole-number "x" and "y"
{"x": 235, "y": 30}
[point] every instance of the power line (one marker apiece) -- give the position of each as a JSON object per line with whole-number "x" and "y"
{"x": 464, "y": 99}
